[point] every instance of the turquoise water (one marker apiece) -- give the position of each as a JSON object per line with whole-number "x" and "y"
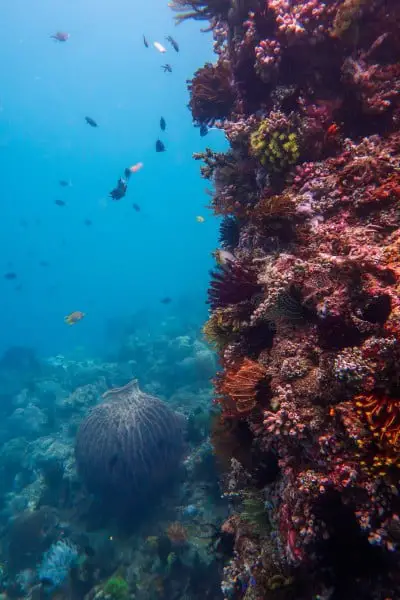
{"x": 125, "y": 261}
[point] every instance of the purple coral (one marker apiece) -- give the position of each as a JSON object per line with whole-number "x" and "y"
{"x": 130, "y": 443}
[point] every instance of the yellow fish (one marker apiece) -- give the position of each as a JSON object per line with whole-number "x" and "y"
{"x": 200, "y": 219}
{"x": 74, "y": 317}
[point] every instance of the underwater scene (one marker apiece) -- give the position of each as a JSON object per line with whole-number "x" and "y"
{"x": 200, "y": 300}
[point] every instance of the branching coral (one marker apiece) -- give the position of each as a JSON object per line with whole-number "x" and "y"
{"x": 211, "y": 93}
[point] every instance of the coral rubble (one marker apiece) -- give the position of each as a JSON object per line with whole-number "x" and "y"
{"x": 305, "y": 311}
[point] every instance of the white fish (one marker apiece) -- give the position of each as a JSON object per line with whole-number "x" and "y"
{"x": 159, "y": 47}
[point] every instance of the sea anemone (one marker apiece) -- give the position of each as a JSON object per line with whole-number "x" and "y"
{"x": 211, "y": 93}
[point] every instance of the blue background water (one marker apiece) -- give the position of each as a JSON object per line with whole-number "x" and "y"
{"x": 126, "y": 261}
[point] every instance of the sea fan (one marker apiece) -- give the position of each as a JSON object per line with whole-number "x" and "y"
{"x": 129, "y": 444}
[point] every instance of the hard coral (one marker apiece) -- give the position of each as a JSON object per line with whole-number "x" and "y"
{"x": 211, "y": 93}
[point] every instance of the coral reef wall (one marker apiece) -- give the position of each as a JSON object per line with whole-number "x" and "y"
{"x": 304, "y": 299}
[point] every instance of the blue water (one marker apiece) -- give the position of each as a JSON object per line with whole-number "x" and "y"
{"x": 126, "y": 261}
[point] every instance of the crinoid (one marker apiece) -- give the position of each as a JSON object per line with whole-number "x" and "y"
{"x": 383, "y": 417}
{"x": 211, "y": 93}
{"x": 239, "y": 385}
{"x": 200, "y": 10}
{"x": 232, "y": 283}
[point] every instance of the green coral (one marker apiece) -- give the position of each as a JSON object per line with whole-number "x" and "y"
{"x": 276, "y": 144}
{"x": 116, "y": 588}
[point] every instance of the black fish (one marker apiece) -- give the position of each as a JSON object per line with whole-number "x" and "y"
{"x": 59, "y": 202}
{"x": 10, "y": 276}
{"x": 167, "y": 68}
{"x": 87, "y": 222}
{"x": 166, "y": 300}
{"x": 163, "y": 124}
{"x": 160, "y": 146}
{"x": 91, "y": 122}
{"x": 145, "y": 42}
{"x": 203, "y": 130}
{"x": 136, "y": 207}
{"x": 173, "y": 42}
{"x": 63, "y": 183}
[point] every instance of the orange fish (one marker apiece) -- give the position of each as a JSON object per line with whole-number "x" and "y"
{"x": 74, "y": 317}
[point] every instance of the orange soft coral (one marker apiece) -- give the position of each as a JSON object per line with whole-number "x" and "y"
{"x": 383, "y": 416}
{"x": 238, "y": 386}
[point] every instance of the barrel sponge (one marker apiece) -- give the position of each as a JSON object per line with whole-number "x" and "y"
{"x": 130, "y": 443}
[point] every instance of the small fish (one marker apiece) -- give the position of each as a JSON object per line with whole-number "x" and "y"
{"x": 136, "y": 207}
{"x": 200, "y": 219}
{"x": 166, "y": 300}
{"x": 173, "y": 42}
{"x": 87, "y": 222}
{"x": 10, "y": 276}
{"x": 167, "y": 68}
{"x": 163, "y": 124}
{"x": 223, "y": 257}
{"x": 159, "y": 47}
{"x": 74, "y": 317}
{"x": 145, "y": 42}
{"x": 64, "y": 183}
{"x": 160, "y": 147}
{"x": 44, "y": 263}
{"x": 60, "y": 202}
{"x": 203, "y": 130}
{"x": 60, "y": 36}
{"x": 91, "y": 122}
